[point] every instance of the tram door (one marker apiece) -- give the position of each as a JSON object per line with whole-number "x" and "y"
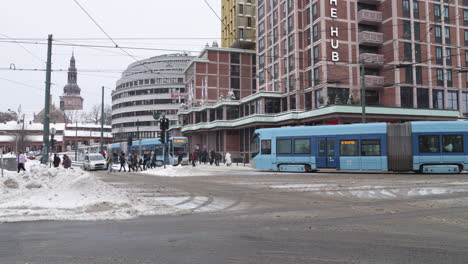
{"x": 327, "y": 152}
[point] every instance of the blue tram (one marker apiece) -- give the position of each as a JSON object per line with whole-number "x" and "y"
{"x": 176, "y": 146}
{"x": 427, "y": 147}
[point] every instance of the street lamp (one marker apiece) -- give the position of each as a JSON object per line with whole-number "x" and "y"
{"x": 52, "y": 141}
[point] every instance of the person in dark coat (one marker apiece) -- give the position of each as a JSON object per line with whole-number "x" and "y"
{"x": 56, "y": 161}
{"x": 66, "y": 162}
{"x": 212, "y": 157}
{"x": 122, "y": 162}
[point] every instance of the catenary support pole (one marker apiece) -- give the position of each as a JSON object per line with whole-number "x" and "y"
{"x": 76, "y": 141}
{"x": 102, "y": 121}
{"x": 45, "y": 150}
{"x": 363, "y": 92}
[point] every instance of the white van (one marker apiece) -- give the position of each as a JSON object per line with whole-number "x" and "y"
{"x": 94, "y": 161}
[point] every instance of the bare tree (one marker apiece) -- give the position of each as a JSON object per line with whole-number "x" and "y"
{"x": 8, "y": 116}
{"x": 94, "y": 116}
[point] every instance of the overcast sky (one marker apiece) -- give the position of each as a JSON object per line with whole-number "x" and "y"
{"x": 186, "y": 24}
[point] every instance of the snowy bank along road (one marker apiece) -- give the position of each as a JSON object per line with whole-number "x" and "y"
{"x": 44, "y": 193}
{"x": 233, "y": 215}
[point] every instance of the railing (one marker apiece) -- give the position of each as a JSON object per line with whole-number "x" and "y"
{"x": 369, "y": 16}
{"x": 369, "y": 37}
{"x": 374, "y": 81}
{"x": 371, "y": 59}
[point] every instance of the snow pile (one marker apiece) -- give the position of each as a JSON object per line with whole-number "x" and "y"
{"x": 198, "y": 170}
{"x": 44, "y": 193}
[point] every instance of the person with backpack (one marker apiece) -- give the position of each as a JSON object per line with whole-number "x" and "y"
{"x": 122, "y": 162}
{"x": 56, "y": 160}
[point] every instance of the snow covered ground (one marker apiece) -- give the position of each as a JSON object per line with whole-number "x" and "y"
{"x": 43, "y": 193}
{"x": 198, "y": 170}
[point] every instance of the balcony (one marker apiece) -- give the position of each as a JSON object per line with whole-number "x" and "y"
{"x": 370, "y": 38}
{"x": 369, "y": 17}
{"x": 373, "y": 81}
{"x": 371, "y": 59}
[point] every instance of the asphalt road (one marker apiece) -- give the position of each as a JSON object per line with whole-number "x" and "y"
{"x": 261, "y": 224}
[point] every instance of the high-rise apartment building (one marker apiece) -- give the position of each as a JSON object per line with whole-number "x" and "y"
{"x": 411, "y": 53}
{"x": 154, "y": 85}
{"x": 311, "y": 55}
{"x": 238, "y": 24}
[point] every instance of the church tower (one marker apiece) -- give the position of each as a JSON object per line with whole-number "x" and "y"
{"x": 71, "y": 98}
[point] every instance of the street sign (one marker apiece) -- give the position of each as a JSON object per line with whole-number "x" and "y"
{"x": 156, "y": 116}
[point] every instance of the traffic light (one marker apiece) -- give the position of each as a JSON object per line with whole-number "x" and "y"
{"x": 163, "y": 137}
{"x": 164, "y": 124}
{"x": 129, "y": 141}
{"x": 52, "y": 142}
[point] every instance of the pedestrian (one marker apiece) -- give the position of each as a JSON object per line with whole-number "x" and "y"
{"x": 204, "y": 155}
{"x": 56, "y": 160}
{"x": 153, "y": 159}
{"x": 21, "y": 159}
{"x": 66, "y": 162}
{"x": 110, "y": 162}
{"x": 130, "y": 163}
{"x": 228, "y": 159}
{"x": 194, "y": 157}
{"x": 179, "y": 158}
{"x": 217, "y": 158}
{"x": 115, "y": 156}
{"x": 212, "y": 156}
{"x": 122, "y": 162}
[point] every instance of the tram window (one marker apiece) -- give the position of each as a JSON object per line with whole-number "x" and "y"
{"x": 322, "y": 144}
{"x": 452, "y": 143}
{"x": 348, "y": 148}
{"x": 266, "y": 147}
{"x": 429, "y": 144}
{"x": 283, "y": 146}
{"x": 301, "y": 146}
{"x": 370, "y": 147}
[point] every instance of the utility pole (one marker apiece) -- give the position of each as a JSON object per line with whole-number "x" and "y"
{"x": 363, "y": 92}
{"x": 45, "y": 150}
{"x": 76, "y": 141}
{"x": 102, "y": 121}
{"x": 22, "y": 137}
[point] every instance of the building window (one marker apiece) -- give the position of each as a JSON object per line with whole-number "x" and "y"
{"x": 465, "y": 37}
{"x": 437, "y": 13}
{"x": 241, "y": 33}
{"x": 291, "y": 63}
{"x": 315, "y": 12}
{"x": 235, "y": 57}
{"x": 439, "y": 55}
{"x": 261, "y": 44}
{"x": 241, "y": 9}
{"x": 290, "y": 43}
{"x": 406, "y": 97}
{"x": 417, "y": 30}
{"x": 419, "y": 78}
{"x": 466, "y": 57}
{"x": 249, "y": 22}
{"x": 440, "y": 77}
{"x": 317, "y": 76}
{"x": 315, "y": 30}
{"x": 308, "y": 16}
{"x": 409, "y": 74}
{"x": 415, "y": 9}
{"x": 438, "y": 34}
{"x": 261, "y": 12}
{"x": 235, "y": 70}
{"x": 338, "y": 95}
{"x": 437, "y": 99}
{"x": 319, "y": 100}
{"x": 465, "y": 103}
{"x": 291, "y": 81}
{"x": 417, "y": 52}
{"x": 406, "y": 8}
{"x": 446, "y": 14}
{"x": 316, "y": 54}
{"x": 452, "y": 100}
{"x": 261, "y": 78}
{"x": 261, "y": 28}
{"x": 308, "y": 101}
{"x": 408, "y": 52}
{"x": 290, "y": 23}
{"x": 447, "y": 35}
{"x": 449, "y": 78}
{"x": 406, "y": 29}
{"x": 423, "y": 97}
{"x": 448, "y": 56}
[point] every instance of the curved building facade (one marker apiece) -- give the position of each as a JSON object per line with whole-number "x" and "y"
{"x": 154, "y": 85}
